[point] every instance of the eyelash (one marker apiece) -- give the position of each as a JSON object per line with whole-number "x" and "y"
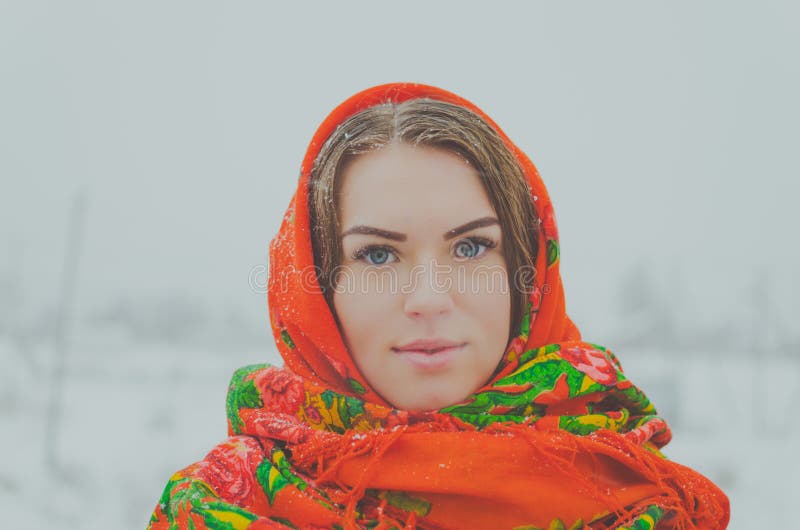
{"x": 364, "y": 251}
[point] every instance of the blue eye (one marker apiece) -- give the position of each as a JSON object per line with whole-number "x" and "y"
{"x": 374, "y": 254}
{"x": 470, "y": 248}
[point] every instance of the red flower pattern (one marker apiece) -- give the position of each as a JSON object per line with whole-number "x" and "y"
{"x": 281, "y": 391}
{"x": 591, "y": 362}
{"x": 230, "y": 470}
{"x": 313, "y": 414}
{"x": 279, "y": 426}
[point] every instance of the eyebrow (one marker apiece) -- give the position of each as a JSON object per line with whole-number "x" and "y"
{"x": 397, "y": 236}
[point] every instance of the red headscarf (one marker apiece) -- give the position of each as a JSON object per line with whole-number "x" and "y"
{"x": 299, "y": 308}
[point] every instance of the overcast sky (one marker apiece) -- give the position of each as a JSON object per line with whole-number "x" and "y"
{"x": 667, "y": 133}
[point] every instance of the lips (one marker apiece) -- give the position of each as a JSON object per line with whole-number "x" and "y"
{"x": 430, "y": 355}
{"x": 429, "y": 346}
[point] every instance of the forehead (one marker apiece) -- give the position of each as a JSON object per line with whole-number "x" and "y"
{"x": 401, "y": 185}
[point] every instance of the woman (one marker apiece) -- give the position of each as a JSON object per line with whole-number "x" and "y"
{"x": 432, "y": 378}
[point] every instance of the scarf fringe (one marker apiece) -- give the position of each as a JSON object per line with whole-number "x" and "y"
{"x": 689, "y": 501}
{"x": 328, "y": 451}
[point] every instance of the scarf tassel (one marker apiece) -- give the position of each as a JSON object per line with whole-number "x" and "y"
{"x": 684, "y": 491}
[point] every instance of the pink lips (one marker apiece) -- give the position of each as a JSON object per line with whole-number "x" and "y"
{"x": 430, "y": 353}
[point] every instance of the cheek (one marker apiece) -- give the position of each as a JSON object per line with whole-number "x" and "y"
{"x": 494, "y": 311}
{"x": 488, "y": 300}
{"x": 362, "y": 316}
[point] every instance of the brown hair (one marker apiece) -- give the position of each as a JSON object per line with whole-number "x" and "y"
{"x": 431, "y": 123}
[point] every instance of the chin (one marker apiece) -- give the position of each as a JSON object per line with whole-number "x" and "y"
{"x": 432, "y": 402}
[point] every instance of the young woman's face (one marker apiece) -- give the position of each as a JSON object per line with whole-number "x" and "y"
{"x": 422, "y": 294}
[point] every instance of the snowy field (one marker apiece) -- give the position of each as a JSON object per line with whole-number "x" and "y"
{"x": 133, "y": 416}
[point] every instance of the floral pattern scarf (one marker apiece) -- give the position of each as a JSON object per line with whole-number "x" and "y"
{"x": 559, "y": 438}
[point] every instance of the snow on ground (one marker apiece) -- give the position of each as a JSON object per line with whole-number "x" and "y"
{"x": 134, "y": 415}
{"x": 130, "y": 419}
{"x": 732, "y": 418}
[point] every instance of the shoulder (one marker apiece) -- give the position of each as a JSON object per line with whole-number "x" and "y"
{"x": 223, "y": 486}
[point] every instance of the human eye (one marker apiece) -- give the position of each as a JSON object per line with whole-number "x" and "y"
{"x": 375, "y": 254}
{"x": 472, "y": 247}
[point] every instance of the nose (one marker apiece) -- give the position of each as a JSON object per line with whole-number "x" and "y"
{"x": 428, "y": 293}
